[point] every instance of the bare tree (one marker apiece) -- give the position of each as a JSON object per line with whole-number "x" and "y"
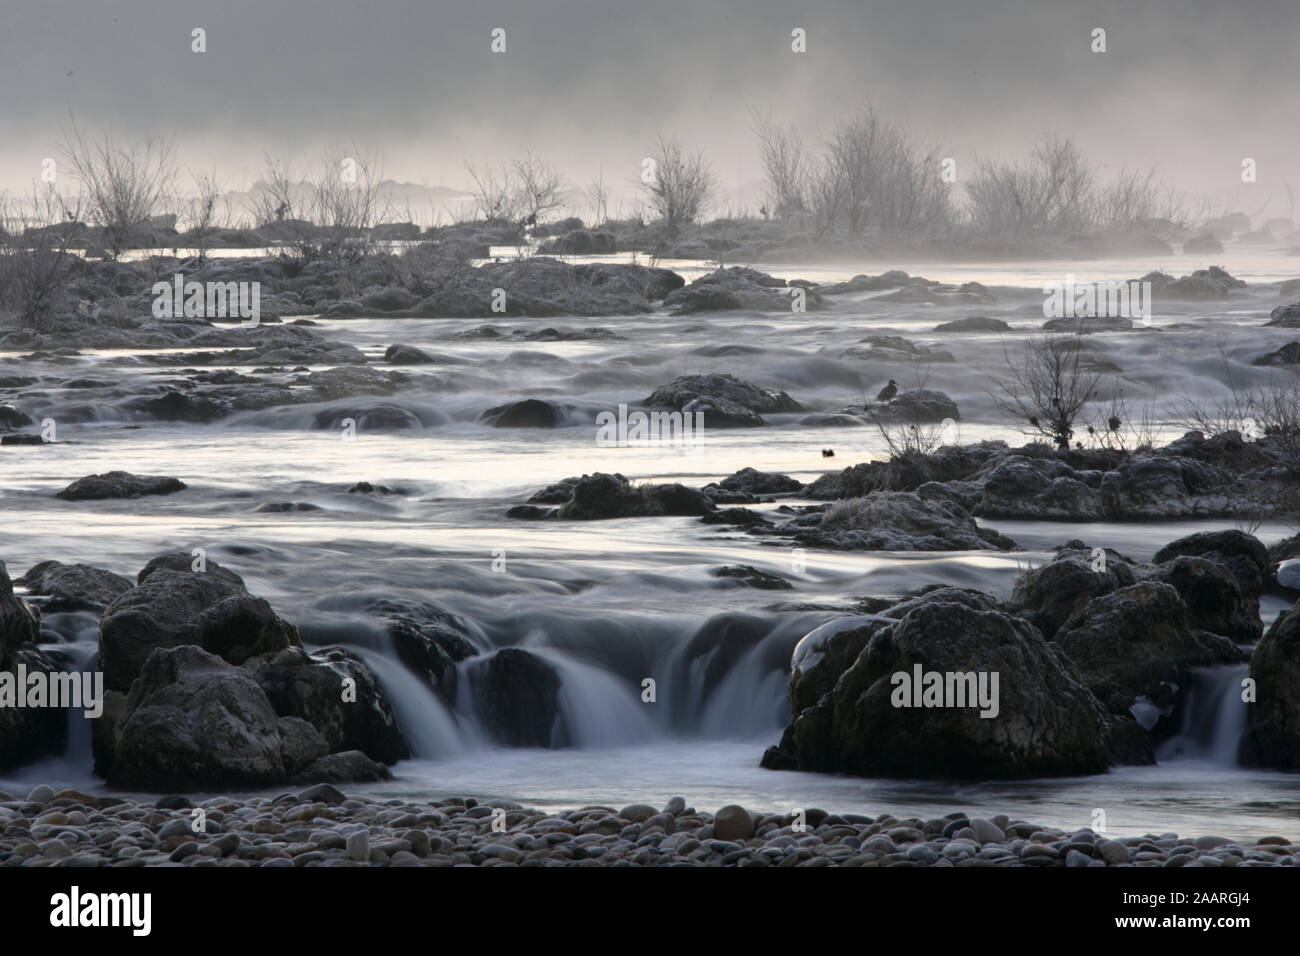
{"x": 540, "y": 189}
{"x": 1047, "y": 385}
{"x": 202, "y": 210}
{"x": 275, "y": 197}
{"x": 598, "y": 199}
{"x": 493, "y": 192}
{"x": 123, "y": 186}
{"x": 682, "y": 185}
{"x": 345, "y": 201}
{"x": 785, "y": 162}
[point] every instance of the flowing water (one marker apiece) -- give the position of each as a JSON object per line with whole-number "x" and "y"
{"x": 609, "y": 603}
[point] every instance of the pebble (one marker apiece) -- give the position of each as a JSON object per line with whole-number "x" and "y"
{"x": 323, "y": 827}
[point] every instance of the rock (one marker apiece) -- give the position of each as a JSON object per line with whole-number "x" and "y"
{"x": 637, "y": 813}
{"x": 580, "y": 242}
{"x": 1113, "y": 852}
{"x": 301, "y": 744}
{"x": 1162, "y": 487}
{"x": 241, "y": 626}
{"x": 11, "y": 417}
{"x": 174, "y": 802}
{"x": 391, "y": 299}
{"x": 975, "y": 323}
{"x": 987, "y": 832}
{"x": 733, "y": 822}
{"x": 900, "y": 521}
{"x": 1047, "y": 723}
{"x": 1285, "y": 316}
{"x": 119, "y": 484}
{"x": 164, "y": 610}
{"x": 1201, "y": 245}
{"x": 1243, "y": 554}
{"x": 1037, "y": 488}
{"x": 612, "y": 496}
{"x": 752, "y": 577}
{"x": 1137, "y": 643}
{"x": 195, "y": 722}
{"x": 1049, "y": 595}
{"x": 74, "y": 587}
{"x": 399, "y": 354}
{"x": 720, "y": 391}
{"x": 528, "y": 413}
{"x": 516, "y": 697}
{"x": 41, "y": 794}
{"x": 1275, "y": 713}
{"x": 350, "y": 716}
{"x": 1213, "y": 597}
{"x": 350, "y": 766}
{"x": 377, "y": 416}
{"x": 1288, "y": 354}
{"x": 174, "y": 406}
{"x": 358, "y": 847}
{"x": 736, "y": 287}
{"x": 752, "y": 482}
{"x": 917, "y": 406}
{"x": 322, "y": 793}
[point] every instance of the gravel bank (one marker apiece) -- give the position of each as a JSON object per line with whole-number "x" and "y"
{"x": 321, "y": 826}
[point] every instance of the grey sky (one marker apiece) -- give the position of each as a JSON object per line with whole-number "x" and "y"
{"x": 1188, "y": 85}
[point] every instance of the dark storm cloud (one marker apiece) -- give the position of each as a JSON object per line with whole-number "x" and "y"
{"x": 1189, "y": 86}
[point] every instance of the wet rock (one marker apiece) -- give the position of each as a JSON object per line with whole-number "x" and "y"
{"x": 752, "y": 577}
{"x": 195, "y": 722}
{"x": 528, "y": 413}
{"x": 1049, "y": 595}
{"x": 380, "y": 416}
{"x": 900, "y": 521}
{"x": 119, "y": 484}
{"x": 350, "y": 766}
{"x": 74, "y": 587}
{"x": 733, "y": 822}
{"x": 1047, "y": 723}
{"x": 974, "y": 323}
{"x": 516, "y": 696}
{"x": 1137, "y": 642}
{"x": 173, "y": 406}
{"x": 612, "y": 496}
{"x": 723, "y": 393}
{"x": 334, "y": 691}
{"x": 407, "y": 355}
{"x": 1288, "y": 354}
{"x": 1275, "y": 713}
{"x": 161, "y": 611}
{"x": 1285, "y": 316}
{"x": 1037, "y": 488}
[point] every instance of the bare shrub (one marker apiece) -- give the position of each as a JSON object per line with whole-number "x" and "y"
{"x": 683, "y": 185}
{"x": 1047, "y": 385}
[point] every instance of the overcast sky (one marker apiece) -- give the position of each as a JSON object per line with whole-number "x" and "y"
{"x": 1191, "y": 86}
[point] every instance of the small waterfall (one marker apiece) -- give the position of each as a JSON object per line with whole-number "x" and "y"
{"x": 1214, "y": 718}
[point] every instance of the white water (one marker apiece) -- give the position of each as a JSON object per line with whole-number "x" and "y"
{"x": 611, "y": 603}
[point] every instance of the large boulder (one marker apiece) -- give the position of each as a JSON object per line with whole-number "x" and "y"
{"x": 1039, "y": 489}
{"x": 1135, "y": 649}
{"x": 1213, "y": 596}
{"x": 26, "y": 733}
{"x": 1049, "y": 595}
{"x": 193, "y": 721}
{"x": 1274, "y": 739}
{"x": 516, "y": 697}
{"x": 612, "y": 496}
{"x": 172, "y": 604}
{"x": 119, "y": 484}
{"x": 917, "y": 406}
{"x": 1241, "y": 553}
{"x": 1163, "y": 487}
{"x": 73, "y": 587}
{"x": 335, "y": 692}
{"x": 899, "y": 521}
{"x": 1039, "y": 719}
{"x": 724, "y": 395}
